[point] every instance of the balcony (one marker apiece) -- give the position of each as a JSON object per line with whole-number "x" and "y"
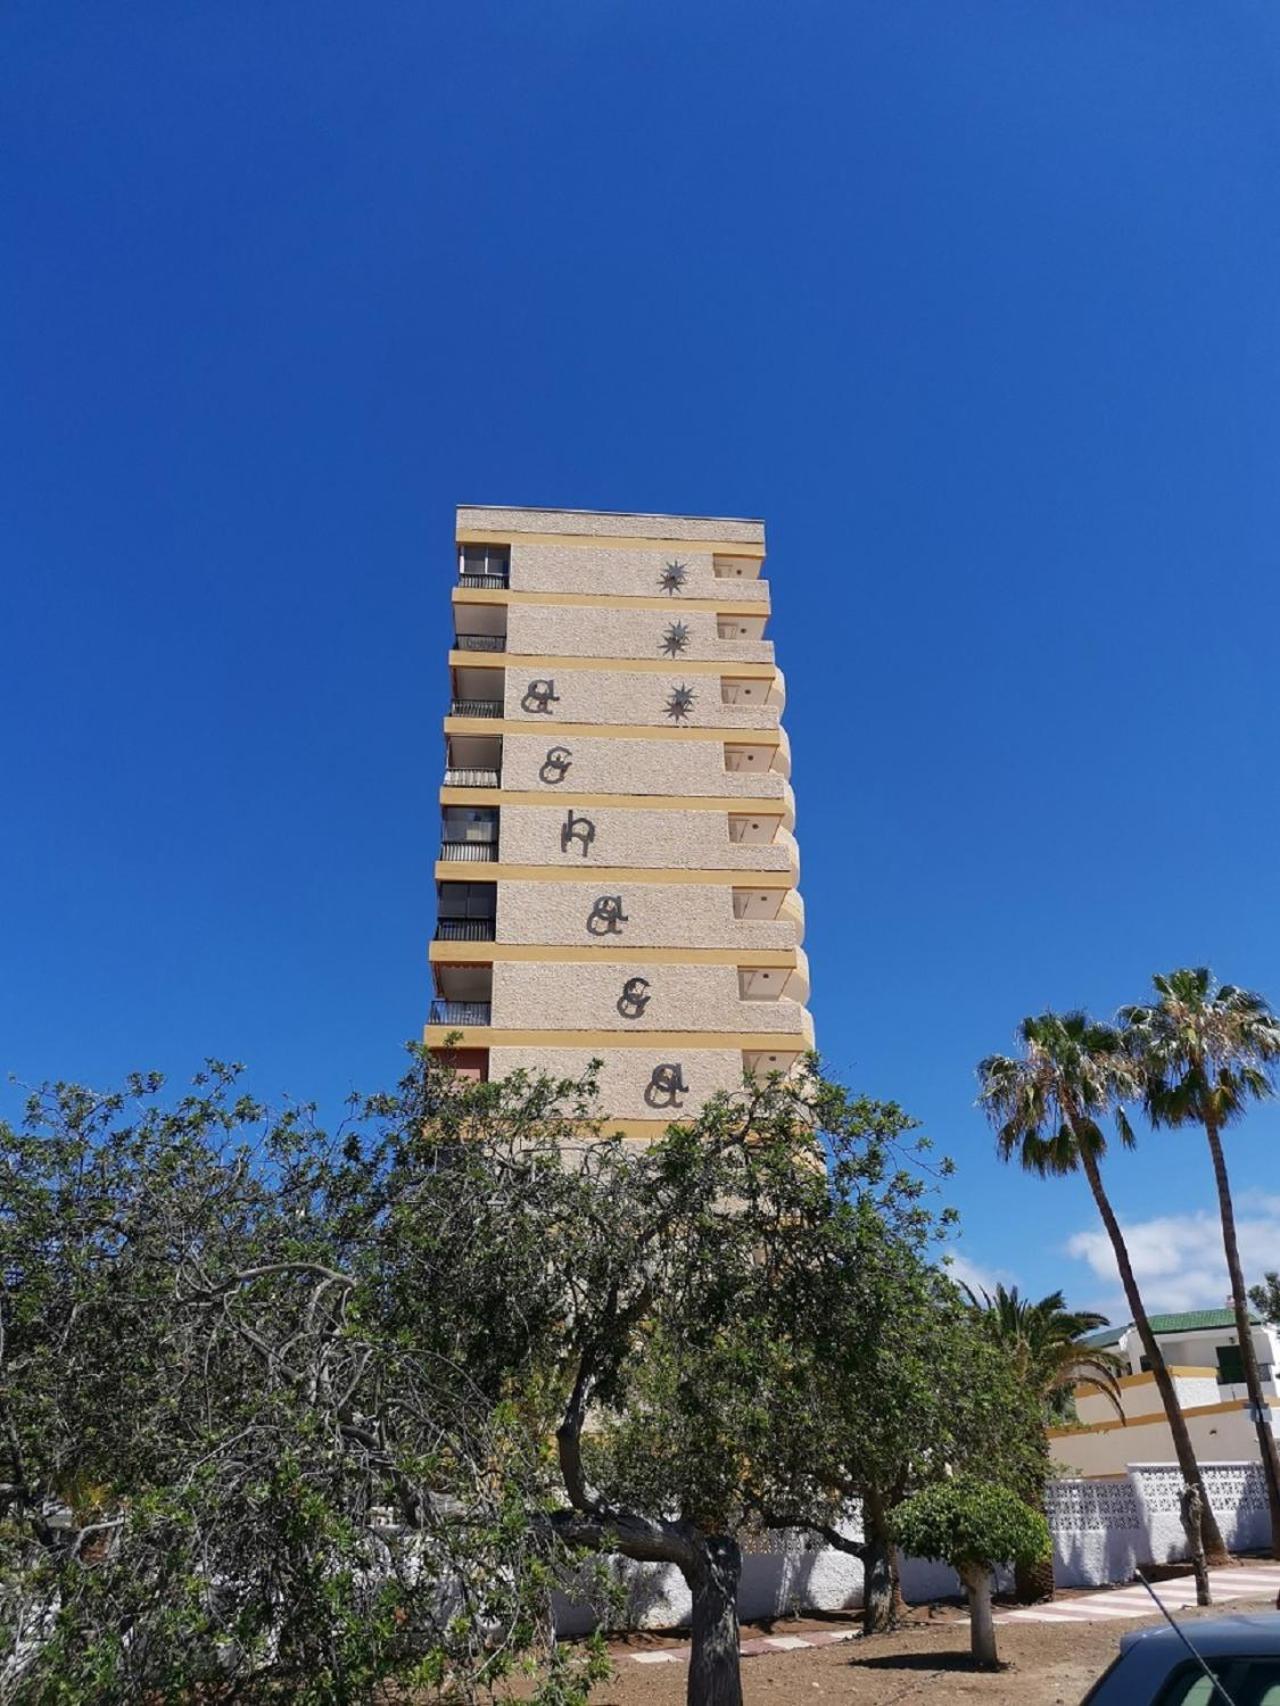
{"x": 466, "y": 929}
{"x": 484, "y": 565}
{"x": 468, "y": 777}
{"x": 480, "y": 642}
{"x": 469, "y": 852}
{"x": 460, "y": 1012}
{"x": 475, "y": 707}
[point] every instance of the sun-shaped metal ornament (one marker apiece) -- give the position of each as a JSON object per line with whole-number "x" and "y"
{"x": 675, "y": 638}
{"x": 680, "y": 701}
{"x": 673, "y": 577}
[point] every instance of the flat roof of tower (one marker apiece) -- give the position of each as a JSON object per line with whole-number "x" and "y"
{"x": 603, "y": 523}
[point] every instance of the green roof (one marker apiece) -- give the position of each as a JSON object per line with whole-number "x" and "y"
{"x": 1190, "y": 1321}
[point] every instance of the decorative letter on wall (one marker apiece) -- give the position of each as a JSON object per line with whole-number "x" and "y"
{"x": 580, "y": 829}
{"x": 680, "y": 701}
{"x": 633, "y": 1000}
{"x": 555, "y": 766}
{"x": 666, "y": 1083}
{"x": 673, "y": 577}
{"x": 606, "y": 917}
{"x": 539, "y": 697}
{"x": 675, "y": 637}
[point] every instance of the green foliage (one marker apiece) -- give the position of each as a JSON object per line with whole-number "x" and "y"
{"x": 1265, "y": 1298}
{"x": 1203, "y": 1050}
{"x": 1047, "y": 1106}
{"x": 1043, "y": 1342}
{"x": 291, "y": 1414}
{"x": 969, "y": 1523}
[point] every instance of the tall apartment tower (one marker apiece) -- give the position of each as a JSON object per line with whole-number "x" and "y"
{"x": 617, "y": 874}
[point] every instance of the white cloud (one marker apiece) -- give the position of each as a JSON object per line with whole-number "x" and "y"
{"x": 1178, "y": 1258}
{"x": 965, "y": 1271}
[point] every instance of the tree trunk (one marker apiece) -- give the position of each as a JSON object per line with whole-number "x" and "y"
{"x": 881, "y": 1598}
{"x": 982, "y": 1629}
{"x": 1215, "y": 1551}
{"x": 715, "y": 1677}
{"x": 1267, "y": 1448}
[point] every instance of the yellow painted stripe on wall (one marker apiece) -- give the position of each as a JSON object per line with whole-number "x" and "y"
{"x": 450, "y": 871}
{"x": 611, "y": 600}
{"x": 739, "y": 804}
{"x": 611, "y": 542}
{"x": 484, "y": 1036}
{"x": 538, "y": 661}
{"x": 481, "y": 953}
{"x": 735, "y": 736}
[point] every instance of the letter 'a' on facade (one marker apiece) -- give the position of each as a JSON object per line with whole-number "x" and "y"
{"x": 617, "y": 875}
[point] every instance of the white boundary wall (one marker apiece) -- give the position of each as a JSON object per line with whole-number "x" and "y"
{"x": 1102, "y": 1531}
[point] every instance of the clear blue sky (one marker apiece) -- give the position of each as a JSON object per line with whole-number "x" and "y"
{"x": 975, "y": 303}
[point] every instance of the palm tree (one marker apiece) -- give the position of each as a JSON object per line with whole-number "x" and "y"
{"x": 1043, "y": 1342}
{"x": 1204, "y": 1051}
{"x": 1046, "y": 1107}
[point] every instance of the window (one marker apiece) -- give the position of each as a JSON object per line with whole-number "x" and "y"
{"x": 467, "y": 900}
{"x": 1249, "y": 1682}
{"x": 1230, "y": 1365}
{"x": 491, "y": 561}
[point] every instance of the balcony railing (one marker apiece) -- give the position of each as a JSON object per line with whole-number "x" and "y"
{"x": 469, "y": 852}
{"x": 487, "y": 580}
{"x": 480, "y": 642}
{"x": 460, "y": 1012}
{"x": 466, "y": 929}
{"x": 475, "y": 707}
{"x": 471, "y": 778}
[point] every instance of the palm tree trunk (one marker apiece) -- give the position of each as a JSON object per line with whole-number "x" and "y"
{"x": 1215, "y": 1551}
{"x": 1267, "y": 1448}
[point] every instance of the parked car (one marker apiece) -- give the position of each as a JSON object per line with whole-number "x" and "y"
{"x": 1154, "y": 1667}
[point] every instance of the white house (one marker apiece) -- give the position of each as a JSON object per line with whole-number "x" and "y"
{"x": 1203, "y": 1356}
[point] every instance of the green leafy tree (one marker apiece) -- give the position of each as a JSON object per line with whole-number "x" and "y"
{"x": 1266, "y": 1298}
{"x": 908, "y": 1389}
{"x": 1042, "y": 1340}
{"x": 1047, "y": 1107}
{"x": 973, "y": 1526}
{"x": 663, "y": 1314}
{"x": 1205, "y": 1051}
{"x": 224, "y": 1470}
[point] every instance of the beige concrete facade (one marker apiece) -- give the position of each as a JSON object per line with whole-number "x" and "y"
{"x": 626, "y": 766}
{"x": 667, "y": 840}
{"x": 625, "y": 696}
{"x": 618, "y": 771}
{"x": 551, "y": 630}
{"x": 662, "y": 915}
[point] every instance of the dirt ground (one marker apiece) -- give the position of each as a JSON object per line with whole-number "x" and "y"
{"x": 1045, "y": 1664}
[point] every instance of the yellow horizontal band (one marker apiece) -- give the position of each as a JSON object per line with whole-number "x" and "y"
{"x": 1086, "y": 1388}
{"x": 612, "y": 600}
{"x": 491, "y": 871}
{"x": 484, "y": 1036}
{"x": 738, "y": 804}
{"x": 1114, "y": 1422}
{"x": 735, "y": 736}
{"x": 611, "y": 542}
{"x": 539, "y": 663}
{"x": 482, "y": 953}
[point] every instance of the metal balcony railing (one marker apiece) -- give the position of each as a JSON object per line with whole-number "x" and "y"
{"x": 475, "y": 707}
{"x": 466, "y": 929}
{"x": 480, "y": 642}
{"x": 469, "y": 852}
{"x": 486, "y": 580}
{"x": 460, "y": 1012}
{"x": 472, "y": 778}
